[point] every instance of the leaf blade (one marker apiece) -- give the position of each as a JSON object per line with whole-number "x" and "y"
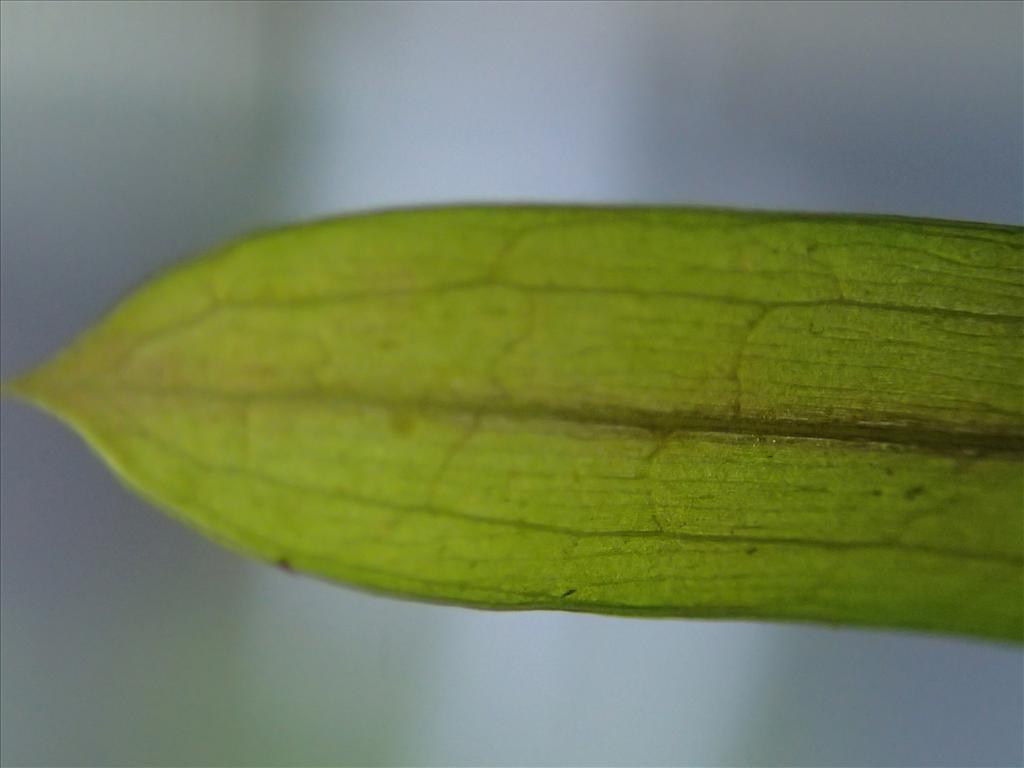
{"x": 645, "y": 411}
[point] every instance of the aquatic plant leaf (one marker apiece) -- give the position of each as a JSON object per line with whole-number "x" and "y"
{"x": 656, "y": 412}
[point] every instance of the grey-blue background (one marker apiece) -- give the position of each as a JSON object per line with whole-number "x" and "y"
{"x": 134, "y": 134}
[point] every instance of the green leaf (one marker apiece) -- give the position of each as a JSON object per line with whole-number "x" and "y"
{"x": 655, "y": 412}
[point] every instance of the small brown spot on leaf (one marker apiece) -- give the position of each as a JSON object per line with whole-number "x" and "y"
{"x": 403, "y": 423}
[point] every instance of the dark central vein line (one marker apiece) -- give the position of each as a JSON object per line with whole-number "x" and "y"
{"x": 328, "y": 299}
{"x": 662, "y": 424}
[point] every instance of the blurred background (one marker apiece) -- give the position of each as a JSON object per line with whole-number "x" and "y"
{"x": 135, "y": 134}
